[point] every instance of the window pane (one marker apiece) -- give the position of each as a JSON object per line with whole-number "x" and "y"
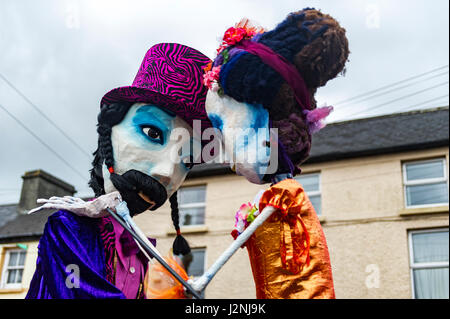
{"x": 317, "y": 203}
{"x": 431, "y": 283}
{"x": 427, "y": 194}
{"x": 188, "y": 195}
{"x": 21, "y": 258}
{"x": 11, "y": 276}
{"x": 310, "y": 182}
{"x": 424, "y": 170}
{"x": 192, "y": 216}
{"x": 13, "y": 258}
{"x": 197, "y": 266}
{"x": 430, "y": 247}
{"x": 19, "y": 276}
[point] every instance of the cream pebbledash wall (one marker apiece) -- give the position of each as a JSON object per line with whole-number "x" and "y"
{"x": 366, "y": 223}
{"x": 363, "y": 217}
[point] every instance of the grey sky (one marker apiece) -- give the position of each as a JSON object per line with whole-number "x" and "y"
{"x": 65, "y": 55}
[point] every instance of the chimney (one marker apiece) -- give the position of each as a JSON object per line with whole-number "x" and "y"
{"x": 39, "y": 184}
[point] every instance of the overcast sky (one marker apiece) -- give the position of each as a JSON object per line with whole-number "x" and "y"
{"x": 65, "y": 55}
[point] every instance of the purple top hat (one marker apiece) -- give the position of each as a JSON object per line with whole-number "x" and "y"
{"x": 171, "y": 77}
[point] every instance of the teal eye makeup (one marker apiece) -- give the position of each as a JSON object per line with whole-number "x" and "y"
{"x": 153, "y": 123}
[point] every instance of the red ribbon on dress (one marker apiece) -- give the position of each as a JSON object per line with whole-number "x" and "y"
{"x": 288, "y": 196}
{"x": 294, "y": 242}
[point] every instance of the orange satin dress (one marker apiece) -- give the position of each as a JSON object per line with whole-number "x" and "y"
{"x": 288, "y": 253}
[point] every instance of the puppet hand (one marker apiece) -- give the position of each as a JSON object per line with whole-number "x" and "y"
{"x": 93, "y": 209}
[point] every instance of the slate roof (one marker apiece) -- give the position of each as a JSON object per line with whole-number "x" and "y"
{"x": 24, "y": 225}
{"x": 380, "y": 135}
{"x": 370, "y": 136}
{"x": 7, "y": 213}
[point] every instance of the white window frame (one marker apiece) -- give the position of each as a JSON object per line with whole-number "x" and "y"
{"x": 426, "y": 181}
{"x": 314, "y": 193}
{"x": 194, "y": 205}
{"x": 202, "y": 293}
{"x": 428, "y": 265}
{"x": 5, "y": 268}
{"x": 205, "y": 249}
{"x": 204, "y": 259}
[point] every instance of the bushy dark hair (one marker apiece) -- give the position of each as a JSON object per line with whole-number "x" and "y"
{"x": 317, "y": 46}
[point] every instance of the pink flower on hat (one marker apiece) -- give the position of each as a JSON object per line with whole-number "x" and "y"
{"x": 211, "y": 77}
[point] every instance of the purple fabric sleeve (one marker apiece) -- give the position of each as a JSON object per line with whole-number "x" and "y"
{"x": 71, "y": 240}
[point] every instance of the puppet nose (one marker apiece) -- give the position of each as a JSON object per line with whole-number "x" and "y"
{"x": 163, "y": 172}
{"x": 163, "y": 180}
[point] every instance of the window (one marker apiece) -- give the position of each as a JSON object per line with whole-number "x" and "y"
{"x": 13, "y": 266}
{"x": 191, "y": 203}
{"x": 195, "y": 267}
{"x": 311, "y": 184}
{"x": 429, "y": 263}
{"x": 425, "y": 183}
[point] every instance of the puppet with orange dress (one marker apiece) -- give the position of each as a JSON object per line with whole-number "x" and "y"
{"x": 261, "y": 99}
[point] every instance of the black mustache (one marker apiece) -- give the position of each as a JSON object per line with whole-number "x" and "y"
{"x": 131, "y": 183}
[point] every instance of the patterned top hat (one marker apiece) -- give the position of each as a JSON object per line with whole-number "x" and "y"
{"x": 171, "y": 77}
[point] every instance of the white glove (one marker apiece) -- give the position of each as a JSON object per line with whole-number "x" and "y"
{"x": 94, "y": 209}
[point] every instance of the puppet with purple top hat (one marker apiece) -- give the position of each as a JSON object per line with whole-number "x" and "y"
{"x": 262, "y": 81}
{"x": 84, "y": 252}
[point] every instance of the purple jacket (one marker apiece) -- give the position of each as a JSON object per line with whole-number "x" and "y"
{"x": 71, "y": 261}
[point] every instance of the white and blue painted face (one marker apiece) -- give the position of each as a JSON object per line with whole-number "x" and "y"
{"x": 155, "y": 142}
{"x": 245, "y": 134}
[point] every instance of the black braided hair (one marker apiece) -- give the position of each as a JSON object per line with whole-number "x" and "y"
{"x": 96, "y": 182}
{"x": 180, "y": 245}
{"x": 109, "y": 116}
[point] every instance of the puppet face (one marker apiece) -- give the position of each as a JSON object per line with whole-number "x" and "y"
{"x": 154, "y": 142}
{"x": 245, "y": 134}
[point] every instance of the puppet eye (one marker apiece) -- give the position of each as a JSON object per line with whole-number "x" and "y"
{"x": 154, "y": 133}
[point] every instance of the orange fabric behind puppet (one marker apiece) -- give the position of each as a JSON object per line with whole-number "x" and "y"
{"x": 160, "y": 284}
{"x": 288, "y": 253}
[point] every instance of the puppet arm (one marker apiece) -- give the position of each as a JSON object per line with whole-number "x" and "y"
{"x": 70, "y": 262}
{"x": 94, "y": 209}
